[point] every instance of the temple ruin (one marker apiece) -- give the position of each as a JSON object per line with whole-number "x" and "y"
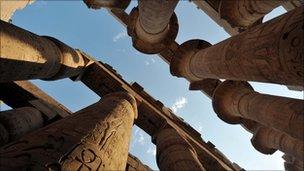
{"x": 39, "y": 133}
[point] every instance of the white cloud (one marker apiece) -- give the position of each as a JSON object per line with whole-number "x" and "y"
{"x": 141, "y": 139}
{"x": 138, "y": 137}
{"x": 151, "y": 150}
{"x": 149, "y": 61}
{"x": 121, "y": 50}
{"x": 199, "y": 128}
{"x": 120, "y": 35}
{"x": 178, "y": 104}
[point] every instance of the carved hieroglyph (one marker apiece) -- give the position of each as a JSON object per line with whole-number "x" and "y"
{"x": 270, "y": 52}
{"x": 95, "y": 138}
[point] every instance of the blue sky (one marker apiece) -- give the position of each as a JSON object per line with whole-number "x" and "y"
{"x": 100, "y": 35}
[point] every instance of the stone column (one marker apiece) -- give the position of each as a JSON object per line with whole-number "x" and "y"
{"x": 173, "y": 152}
{"x": 94, "y": 138}
{"x": 153, "y": 25}
{"x": 154, "y": 16}
{"x": 25, "y": 55}
{"x": 236, "y": 100}
{"x": 292, "y": 164}
{"x": 268, "y": 140}
{"x": 246, "y": 12}
{"x": 111, "y": 4}
{"x": 134, "y": 164}
{"x": 17, "y": 122}
{"x": 271, "y": 52}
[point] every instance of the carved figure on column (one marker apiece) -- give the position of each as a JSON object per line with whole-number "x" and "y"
{"x": 271, "y": 52}
{"x": 94, "y": 138}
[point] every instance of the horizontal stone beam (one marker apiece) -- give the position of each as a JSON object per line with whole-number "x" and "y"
{"x": 24, "y": 93}
{"x": 102, "y": 79}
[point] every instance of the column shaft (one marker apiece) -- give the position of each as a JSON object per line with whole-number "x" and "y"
{"x": 153, "y": 26}
{"x": 154, "y": 16}
{"x": 175, "y": 153}
{"x": 234, "y": 100}
{"x": 20, "y": 121}
{"x": 266, "y": 138}
{"x": 243, "y": 13}
{"x": 270, "y": 52}
{"x": 95, "y": 138}
{"x": 25, "y": 55}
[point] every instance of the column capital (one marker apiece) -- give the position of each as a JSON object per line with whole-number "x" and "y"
{"x": 124, "y": 95}
{"x": 151, "y": 43}
{"x": 112, "y": 4}
{"x": 257, "y": 139}
{"x": 225, "y": 93}
{"x": 180, "y": 65}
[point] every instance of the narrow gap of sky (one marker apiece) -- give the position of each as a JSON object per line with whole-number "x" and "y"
{"x": 100, "y": 35}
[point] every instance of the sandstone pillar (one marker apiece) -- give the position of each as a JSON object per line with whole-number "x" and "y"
{"x": 25, "y": 55}
{"x": 270, "y": 52}
{"x": 154, "y": 16}
{"x": 111, "y": 4}
{"x": 292, "y": 164}
{"x": 134, "y": 164}
{"x": 174, "y": 153}
{"x": 153, "y": 25}
{"x": 246, "y": 12}
{"x": 17, "y": 122}
{"x": 233, "y": 101}
{"x": 268, "y": 140}
{"x": 94, "y": 138}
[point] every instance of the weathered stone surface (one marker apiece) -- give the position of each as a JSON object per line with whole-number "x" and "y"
{"x": 244, "y": 13}
{"x": 292, "y": 164}
{"x": 153, "y": 26}
{"x": 234, "y": 100}
{"x": 20, "y": 121}
{"x": 174, "y": 153}
{"x": 95, "y": 138}
{"x": 270, "y": 52}
{"x": 268, "y": 140}
{"x": 25, "y": 55}
{"x": 24, "y": 93}
{"x": 154, "y": 16}
{"x": 134, "y": 164}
